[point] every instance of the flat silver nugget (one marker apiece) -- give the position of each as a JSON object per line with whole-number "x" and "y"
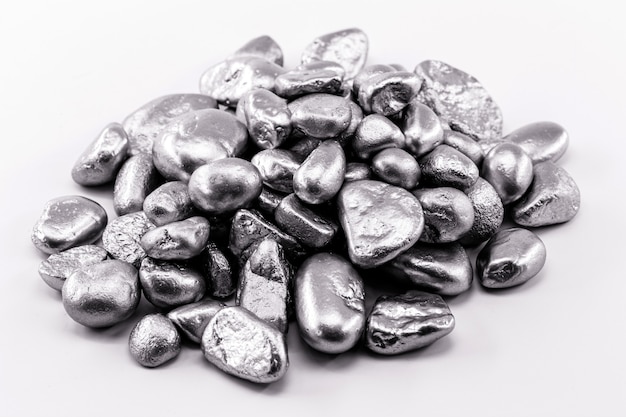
{"x": 542, "y": 141}
{"x": 396, "y": 167}
{"x": 422, "y": 129}
{"x": 314, "y": 77}
{"x": 122, "y": 236}
{"x": 192, "y": 319}
{"x": 509, "y": 170}
{"x": 447, "y": 167}
{"x": 55, "y": 270}
{"x": 169, "y": 284}
{"x": 262, "y": 47}
{"x": 379, "y": 221}
{"x": 217, "y": 271}
{"x": 321, "y": 175}
{"x": 388, "y": 93}
{"x": 154, "y": 340}
{"x": 99, "y": 163}
{"x": 448, "y": 214}
{"x": 488, "y": 212}
{"x": 347, "y": 47}
{"x": 169, "y": 203}
{"x": 322, "y": 116}
{"x": 267, "y": 117}
{"x": 102, "y": 294}
{"x": 241, "y": 344}
{"x": 137, "y": 178}
{"x": 310, "y": 228}
{"x": 177, "y": 241}
{"x": 277, "y": 167}
{"x": 67, "y": 222}
{"x": 510, "y": 258}
{"x": 375, "y": 133}
{"x": 405, "y": 322}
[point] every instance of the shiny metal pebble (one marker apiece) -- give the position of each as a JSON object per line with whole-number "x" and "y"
{"x": 542, "y": 141}
{"x": 447, "y": 167}
{"x": 277, "y": 167}
{"x": 178, "y": 240}
{"x": 379, "y": 221}
{"x": 509, "y": 170}
{"x": 460, "y": 100}
{"x": 303, "y": 223}
{"x": 464, "y": 144}
{"x": 552, "y": 198}
{"x": 55, "y": 270}
{"x": 67, "y": 222}
{"x": 101, "y": 294}
{"x": 304, "y": 146}
{"x": 241, "y": 344}
{"x": 330, "y": 307}
{"x": 154, "y": 340}
{"x": 389, "y": 92}
{"x": 169, "y": 203}
{"x": 321, "y": 175}
{"x": 192, "y": 319}
{"x": 218, "y": 272}
{"x": 356, "y": 171}
{"x": 347, "y": 47}
{"x": 268, "y": 201}
{"x": 422, "y": 129}
{"x": 314, "y": 77}
{"x": 122, "y": 236}
{"x": 448, "y": 214}
{"x": 225, "y": 185}
{"x": 99, "y": 163}
{"x": 438, "y": 268}
{"x": 367, "y": 73}
{"x": 137, "y": 178}
{"x": 375, "y": 133}
{"x": 229, "y": 80}
{"x": 169, "y": 284}
{"x": 511, "y": 257}
{"x": 488, "y": 212}
{"x": 355, "y": 120}
{"x": 262, "y": 47}
{"x": 267, "y": 117}
{"x": 264, "y": 285}
{"x": 405, "y": 322}
{"x": 487, "y": 145}
{"x": 322, "y": 116}
{"x": 396, "y": 167}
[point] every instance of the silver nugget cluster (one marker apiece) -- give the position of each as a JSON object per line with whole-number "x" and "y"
{"x": 269, "y": 197}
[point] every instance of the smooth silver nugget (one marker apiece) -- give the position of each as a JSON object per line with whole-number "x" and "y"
{"x": 448, "y": 214}
{"x": 68, "y": 221}
{"x": 310, "y": 228}
{"x": 460, "y": 100}
{"x": 314, "y": 77}
{"x": 267, "y": 117}
{"x": 169, "y": 203}
{"x": 263, "y": 47}
{"x": 347, "y": 47}
{"x": 122, "y": 236}
{"x": 137, "y": 178}
{"x": 319, "y": 115}
{"x": 304, "y": 146}
{"x": 509, "y": 170}
{"x": 375, "y": 133}
{"x": 422, "y": 129}
{"x": 177, "y": 241}
{"x": 396, "y": 167}
{"x": 192, "y": 319}
{"x": 321, "y": 175}
{"x": 170, "y": 284}
{"x": 542, "y": 141}
{"x": 438, "y": 268}
{"x": 464, "y": 144}
{"x": 357, "y": 115}
{"x": 552, "y": 198}
{"x": 330, "y": 307}
{"x": 277, "y": 167}
{"x": 218, "y": 272}
{"x": 99, "y": 163}
{"x": 511, "y": 257}
{"x": 366, "y": 73}
{"x": 102, "y": 294}
{"x": 488, "y": 212}
{"x": 241, "y": 344}
{"x": 225, "y": 185}
{"x": 55, "y": 270}
{"x": 388, "y": 93}
{"x": 405, "y": 322}
{"x": 447, "y": 167}
{"x": 264, "y": 285}
{"x": 356, "y": 171}
{"x": 154, "y": 340}
{"x": 379, "y": 221}
{"x": 144, "y": 124}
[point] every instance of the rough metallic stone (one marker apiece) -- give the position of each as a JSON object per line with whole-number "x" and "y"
{"x": 218, "y": 272}
{"x": 375, "y": 133}
{"x": 277, "y": 167}
{"x": 509, "y": 170}
{"x": 356, "y": 171}
{"x": 55, "y": 270}
{"x": 347, "y": 47}
{"x": 192, "y": 319}
{"x": 355, "y": 120}
{"x": 267, "y": 117}
{"x": 304, "y": 146}
{"x": 154, "y": 340}
{"x": 488, "y": 212}
{"x": 310, "y": 228}
{"x": 447, "y": 167}
{"x": 313, "y": 77}
{"x": 122, "y": 236}
{"x": 178, "y": 240}
{"x": 396, "y": 167}
{"x": 542, "y": 141}
{"x": 137, "y": 178}
{"x": 464, "y": 144}
{"x": 262, "y": 47}
{"x": 169, "y": 203}
{"x": 321, "y": 175}
{"x": 388, "y": 93}
{"x": 448, "y": 214}
{"x": 367, "y": 73}
{"x": 422, "y": 129}
{"x": 322, "y": 116}
{"x": 269, "y": 200}
{"x": 169, "y": 284}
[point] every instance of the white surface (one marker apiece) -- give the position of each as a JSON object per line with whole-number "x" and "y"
{"x": 553, "y": 347}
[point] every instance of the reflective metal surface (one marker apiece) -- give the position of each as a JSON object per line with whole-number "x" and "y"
{"x": 101, "y": 160}
{"x": 122, "y": 236}
{"x": 55, "y": 270}
{"x": 154, "y": 340}
{"x": 168, "y": 203}
{"x": 447, "y": 167}
{"x": 396, "y": 167}
{"x": 448, "y": 214}
{"x": 310, "y": 228}
{"x": 137, "y": 178}
{"x": 321, "y": 175}
{"x": 509, "y": 170}
{"x": 178, "y": 240}
{"x": 169, "y": 284}
{"x": 192, "y": 319}
{"x": 347, "y": 47}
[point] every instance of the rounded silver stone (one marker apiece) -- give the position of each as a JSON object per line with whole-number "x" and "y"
{"x": 55, "y": 270}
{"x": 356, "y": 171}
{"x": 321, "y": 175}
{"x": 322, "y": 116}
{"x": 375, "y": 133}
{"x": 314, "y": 77}
{"x": 388, "y": 93}
{"x": 262, "y": 47}
{"x": 488, "y": 212}
{"x": 464, "y": 144}
{"x": 169, "y": 284}
{"x": 448, "y": 214}
{"x": 396, "y": 167}
{"x": 169, "y": 203}
{"x": 154, "y": 340}
{"x": 192, "y": 319}
{"x": 310, "y": 228}
{"x": 217, "y": 270}
{"x": 367, "y": 73}
{"x": 178, "y": 240}
{"x": 509, "y": 170}
{"x": 447, "y": 167}
{"x": 277, "y": 167}
{"x": 122, "y": 236}
{"x": 422, "y": 129}
{"x": 542, "y": 141}
{"x": 137, "y": 178}
{"x": 355, "y": 120}
{"x": 304, "y": 146}
{"x": 347, "y": 47}
{"x": 267, "y": 117}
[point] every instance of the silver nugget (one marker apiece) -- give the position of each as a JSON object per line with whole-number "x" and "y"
{"x": 542, "y": 141}
{"x": 314, "y": 77}
{"x": 375, "y": 133}
{"x": 367, "y": 73}
{"x": 396, "y": 167}
{"x": 304, "y": 146}
{"x": 422, "y": 129}
{"x": 310, "y": 228}
{"x": 154, "y": 340}
{"x": 262, "y": 47}
{"x": 347, "y": 47}
{"x": 356, "y": 171}
{"x": 448, "y": 214}
{"x": 388, "y": 93}
{"x": 192, "y": 319}
{"x": 321, "y": 175}
{"x": 447, "y": 167}
{"x": 488, "y": 212}
{"x": 169, "y": 284}
{"x": 277, "y": 167}
{"x": 464, "y": 144}
{"x": 357, "y": 115}
{"x": 322, "y": 116}
{"x": 137, "y": 178}
{"x": 267, "y": 117}
{"x": 122, "y": 236}
{"x": 55, "y": 270}
{"x": 268, "y": 200}
{"x": 509, "y": 170}
{"x": 177, "y": 241}
{"x": 169, "y": 203}
{"x": 217, "y": 271}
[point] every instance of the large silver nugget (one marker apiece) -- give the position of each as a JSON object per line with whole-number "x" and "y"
{"x": 406, "y": 322}
{"x": 192, "y": 319}
{"x": 319, "y": 115}
{"x": 169, "y": 203}
{"x": 277, "y": 167}
{"x": 217, "y": 271}
{"x": 177, "y": 241}
{"x": 542, "y": 141}
{"x": 169, "y": 284}
{"x": 379, "y": 220}
{"x": 445, "y": 166}
{"x": 154, "y": 340}
{"x": 396, "y": 167}
{"x": 263, "y": 47}
{"x": 314, "y": 77}
{"x": 422, "y": 129}
{"x": 509, "y": 170}
{"x": 137, "y": 178}
{"x": 241, "y": 344}
{"x": 448, "y": 214}
{"x": 267, "y": 117}
{"x": 67, "y": 222}
{"x": 347, "y": 47}
{"x": 102, "y": 294}
{"x": 488, "y": 212}
{"x": 309, "y": 227}
{"x": 321, "y": 175}
{"x": 388, "y": 93}
{"x": 375, "y": 133}
{"x": 122, "y": 236}
{"x": 55, "y": 270}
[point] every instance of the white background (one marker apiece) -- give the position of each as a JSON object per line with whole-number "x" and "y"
{"x": 553, "y": 347}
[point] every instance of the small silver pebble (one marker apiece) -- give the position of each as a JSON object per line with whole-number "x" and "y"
{"x": 67, "y": 222}
{"x": 122, "y": 236}
{"x": 388, "y": 93}
{"x": 511, "y": 257}
{"x": 55, "y": 270}
{"x": 375, "y": 133}
{"x": 177, "y": 241}
{"x": 464, "y": 144}
{"x": 355, "y": 120}
{"x": 509, "y": 170}
{"x": 447, "y": 167}
{"x": 330, "y": 307}
{"x": 267, "y": 117}
{"x": 144, "y": 124}
{"x": 347, "y": 47}
{"x": 264, "y": 285}
{"x": 552, "y": 198}
{"x": 487, "y": 145}
{"x": 241, "y": 344}
{"x": 488, "y": 212}
{"x": 314, "y": 77}
{"x": 277, "y": 167}
{"x": 268, "y": 200}
{"x": 322, "y": 116}
{"x": 304, "y": 146}
{"x": 99, "y": 163}
{"x": 356, "y": 171}
{"x": 169, "y": 203}
{"x": 154, "y": 340}
{"x": 460, "y": 100}
{"x": 379, "y": 221}
{"x": 170, "y": 284}
{"x": 422, "y": 129}
{"x": 542, "y": 141}
{"x": 262, "y": 47}
{"x": 101, "y": 294}
{"x": 321, "y": 175}
{"x": 137, "y": 178}
{"x": 396, "y": 167}
{"x": 405, "y": 322}
{"x": 217, "y": 270}
{"x": 448, "y": 214}
{"x": 303, "y": 223}
{"x": 367, "y": 73}
{"x": 225, "y": 185}
{"x": 192, "y": 319}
